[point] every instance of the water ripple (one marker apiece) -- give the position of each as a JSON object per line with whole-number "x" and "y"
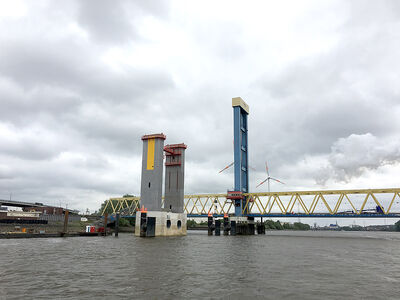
{"x": 290, "y": 265}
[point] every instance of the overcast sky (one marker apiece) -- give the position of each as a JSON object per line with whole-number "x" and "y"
{"x": 82, "y": 81}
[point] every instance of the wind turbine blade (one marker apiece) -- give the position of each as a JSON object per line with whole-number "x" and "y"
{"x": 277, "y": 180}
{"x": 227, "y": 167}
{"x": 261, "y": 183}
{"x": 266, "y": 167}
{"x": 251, "y": 168}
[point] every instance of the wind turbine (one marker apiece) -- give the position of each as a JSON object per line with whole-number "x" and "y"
{"x": 227, "y": 167}
{"x": 269, "y": 178}
{"x": 231, "y": 164}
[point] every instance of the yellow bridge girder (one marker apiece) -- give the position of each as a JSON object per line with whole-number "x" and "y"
{"x": 332, "y": 201}
{"x": 127, "y": 205}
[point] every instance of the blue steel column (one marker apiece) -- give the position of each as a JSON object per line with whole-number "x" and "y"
{"x": 240, "y": 155}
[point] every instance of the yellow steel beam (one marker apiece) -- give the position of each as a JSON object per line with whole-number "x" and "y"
{"x": 105, "y": 207}
{"x": 256, "y": 200}
{"x": 314, "y": 203}
{"x": 259, "y": 203}
{"x": 338, "y": 203}
{"x": 246, "y": 205}
{"x": 293, "y": 203}
{"x": 194, "y": 206}
{"x": 326, "y": 204}
{"x": 303, "y": 205}
{"x": 112, "y": 206}
{"x": 203, "y": 203}
{"x": 363, "y": 205}
{"x": 391, "y": 203}
{"x": 330, "y": 192}
{"x": 223, "y": 206}
{"x": 377, "y": 202}
{"x": 186, "y": 204}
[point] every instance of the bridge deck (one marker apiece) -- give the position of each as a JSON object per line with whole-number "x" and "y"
{"x": 315, "y": 215}
{"x": 367, "y": 203}
{"x": 19, "y": 203}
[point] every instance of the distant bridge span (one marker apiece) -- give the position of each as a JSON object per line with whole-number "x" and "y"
{"x": 20, "y": 203}
{"x": 363, "y": 203}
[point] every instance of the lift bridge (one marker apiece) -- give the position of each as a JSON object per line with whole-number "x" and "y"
{"x": 365, "y": 203}
{"x": 369, "y": 203}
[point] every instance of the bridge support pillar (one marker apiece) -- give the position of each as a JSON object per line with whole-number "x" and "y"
{"x": 233, "y": 227}
{"x": 153, "y": 219}
{"x": 210, "y": 225}
{"x": 160, "y": 223}
{"x": 116, "y": 224}
{"x": 217, "y": 227}
{"x": 260, "y": 228}
{"x": 227, "y": 226}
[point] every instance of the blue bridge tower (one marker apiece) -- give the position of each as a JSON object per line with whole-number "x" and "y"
{"x": 240, "y": 113}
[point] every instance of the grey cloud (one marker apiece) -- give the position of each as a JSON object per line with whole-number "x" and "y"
{"x": 21, "y": 106}
{"x": 71, "y": 65}
{"x": 106, "y": 20}
{"x": 373, "y": 13}
{"x": 34, "y": 144}
{"x": 114, "y": 21}
{"x": 90, "y": 117}
{"x": 315, "y": 101}
{"x": 76, "y": 93}
{"x": 80, "y": 173}
{"x": 5, "y": 172}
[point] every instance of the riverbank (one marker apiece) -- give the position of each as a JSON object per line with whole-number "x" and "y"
{"x": 51, "y": 229}
{"x": 22, "y": 235}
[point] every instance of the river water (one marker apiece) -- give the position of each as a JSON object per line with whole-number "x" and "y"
{"x": 278, "y": 265}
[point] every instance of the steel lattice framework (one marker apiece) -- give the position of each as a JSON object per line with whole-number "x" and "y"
{"x": 126, "y": 206}
{"x": 328, "y": 203}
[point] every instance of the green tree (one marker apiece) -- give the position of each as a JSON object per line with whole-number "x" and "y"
{"x": 191, "y": 223}
{"x": 287, "y": 226}
{"x": 128, "y": 196}
{"x": 301, "y": 226}
{"x": 124, "y": 222}
{"x": 278, "y": 225}
{"x": 269, "y": 224}
{"x": 397, "y": 226}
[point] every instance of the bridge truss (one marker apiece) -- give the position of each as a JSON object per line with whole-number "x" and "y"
{"x": 366, "y": 203}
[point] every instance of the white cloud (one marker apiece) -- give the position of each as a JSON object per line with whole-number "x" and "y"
{"x": 356, "y": 161}
{"x": 12, "y": 9}
{"x": 81, "y": 82}
{"x": 352, "y": 155}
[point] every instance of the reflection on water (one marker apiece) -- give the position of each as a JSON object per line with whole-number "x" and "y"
{"x": 294, "y": 265}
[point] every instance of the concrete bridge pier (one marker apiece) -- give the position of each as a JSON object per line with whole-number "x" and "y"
{"x": 153, "y": 219}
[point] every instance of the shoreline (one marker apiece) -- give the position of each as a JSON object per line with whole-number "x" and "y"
{"x": 46, "y": 235}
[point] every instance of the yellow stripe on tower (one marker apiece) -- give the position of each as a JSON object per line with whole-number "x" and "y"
{"x": 150, "y": 154}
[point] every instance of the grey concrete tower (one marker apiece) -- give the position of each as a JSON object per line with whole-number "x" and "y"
{"x": 152, "y": 171}
{"x": 174, "y": 177}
